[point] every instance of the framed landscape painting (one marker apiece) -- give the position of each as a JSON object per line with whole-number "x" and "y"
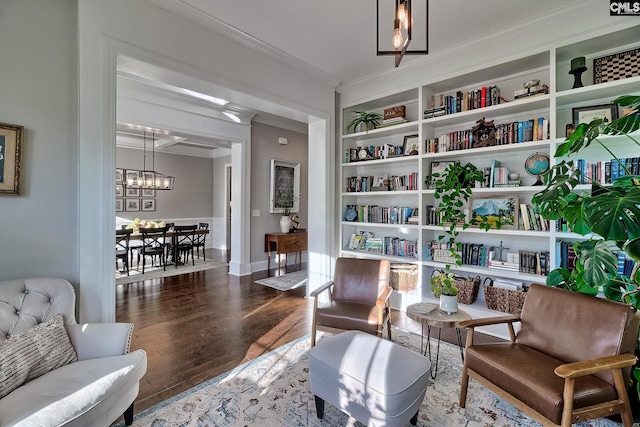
{"x": 494, "y": 209}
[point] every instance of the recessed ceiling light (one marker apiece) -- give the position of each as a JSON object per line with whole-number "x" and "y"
{"x": 232, "y": 116}
{"x": 217, "y": 101}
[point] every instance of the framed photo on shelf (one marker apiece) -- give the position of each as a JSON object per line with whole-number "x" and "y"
{"x": 132, "y": 205}
{"x": 148, "y": 205}
{"x": 119, "y": 190}
{"x": 496, "y": 208}
{"x": 439, "y": 168}
{"x": 119, "y": 175}
{"x": 119, "y": 205}
{"x": 10, "y": 158}
{"x": 587, "y": 114}
{"x": 148, "y": 192}
{"x": 411, "y": 145}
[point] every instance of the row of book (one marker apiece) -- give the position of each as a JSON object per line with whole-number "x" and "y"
{"x": 376, "y": 152}
{"x": 388, "y": 245}
{"x": 606, "y": 172}
{"x": 530, "y": 219}
{"x": 363, "y": 184}
{"x": 465, "y": 101}
{"x": 531, "y": 91}
{"x": 383, "y": 214}
{"x": 625, "y": 264}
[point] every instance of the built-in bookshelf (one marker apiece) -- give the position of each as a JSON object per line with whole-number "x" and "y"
{"x": 446, "y": 116}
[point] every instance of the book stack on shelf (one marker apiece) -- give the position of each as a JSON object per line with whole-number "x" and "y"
{"x": 534, "y": 262}
{"x": 374, "y": 152}
{"x": 565, "y": 255}
{"x": 365, "y": 241}
{"x": 511, "y": 264}
{"x": 530, "y": 219}
{"x": 382, "y": 214}
{"x": 366, "y": 183}
{"x": 537, "y": 90}
{"x": 606, "y": 172}
{"x": 467, "y": 100}
{"x": 393, "y": 116}
{"x": 625, "y": 264}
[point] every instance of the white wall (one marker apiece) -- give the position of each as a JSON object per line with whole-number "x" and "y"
{"x": 38, "y": 81}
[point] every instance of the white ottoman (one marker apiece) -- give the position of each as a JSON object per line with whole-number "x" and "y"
{"x": 375, "y": 381}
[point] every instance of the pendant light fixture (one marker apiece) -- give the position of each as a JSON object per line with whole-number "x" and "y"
{"x": 403, "y": 29}
{"x": 150, "y": 179}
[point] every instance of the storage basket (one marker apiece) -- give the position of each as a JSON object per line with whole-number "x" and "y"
{"x": 404, "y": 277}
{"x": 505, "y": 300}
{"x": 468, "y": 287}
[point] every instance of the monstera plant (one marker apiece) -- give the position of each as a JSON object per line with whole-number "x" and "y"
{"x": 609, "y": 215}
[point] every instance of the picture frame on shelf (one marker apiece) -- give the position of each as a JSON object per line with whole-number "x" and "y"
{"x": 148, "y": 205}
{"x": 148, "y": 192}
{"x": 439, "y": 168}
{"x": 132, "y": 205}
{"x": 119, "y": 175}
{"x": 10, "y": 158}
{"x": 411, "y": 146}
{"x": 285, "y": 178}
{"x": 589, "y": 113}
{"x": 496, "y": 207}
{"x": 119, "y": 190}
{"x": 119, "y": 205}
{"x": 616, "y": 66}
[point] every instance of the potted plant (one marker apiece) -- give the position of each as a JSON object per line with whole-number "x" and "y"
{"x": 370, "y": 121}
{"x": 443, "y": 286}
{"x": 285, "y": 200}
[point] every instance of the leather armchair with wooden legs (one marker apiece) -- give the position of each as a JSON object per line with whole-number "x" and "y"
{"x": 569, "y": 362}
{"x": 358, "y": 298}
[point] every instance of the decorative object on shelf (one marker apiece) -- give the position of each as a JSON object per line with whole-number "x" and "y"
{"x": 578, "y": 66}
{"x": 404, "y": 26}
{"x": 531, "y": 88}
{"x": 149, "y": 178}
{"x": 10, "y": 158}
{"x": 285, "y": 223}
{"x": 505, "y": 300}
{"x": 403, "y": 277}
{"x": 394, "y": 112}
{"x": 607, "y": 112}
{"x": 285, "y": 187}
{"x": 536, "y": 165}
{"x": 350, "y": 214}
{"x": 618, "y": 66}
{"x": 568, "y": 130}
{"x": 411, "y": 145}
{"x": 494, "y": 210}
{"x": 611, "y": 215}
{"x": 484, "y": 134}
{"x": 295, "y": 222}
{"x": 364, "y": 154}
{"x": 443, "y": 286}
{"x": 369, "y": 120}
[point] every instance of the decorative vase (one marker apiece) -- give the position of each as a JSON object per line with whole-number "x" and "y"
{"x": 448, "y": 303}
{"x": 285, "y": 224}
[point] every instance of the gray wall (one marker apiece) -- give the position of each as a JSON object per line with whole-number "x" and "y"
{"x": 192, "y": 196}
{"x": 219, "y": 195}
{"x": 38, "y": 229}
{"x": 264, "y": 147}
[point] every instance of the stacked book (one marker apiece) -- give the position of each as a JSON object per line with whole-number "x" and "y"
{"x": 531, "y": 91}
{"x": 393, "y": 121}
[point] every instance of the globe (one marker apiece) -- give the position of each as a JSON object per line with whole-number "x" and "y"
{"x": 537, "y": 164}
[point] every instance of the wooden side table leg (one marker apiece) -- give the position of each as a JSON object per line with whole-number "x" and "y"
{"x": 269, "y": 264}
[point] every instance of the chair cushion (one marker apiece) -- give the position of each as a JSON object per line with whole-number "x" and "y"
{"x": 73, "y": 393}
{"x": 33, "y": 353}
{"x": 527, "y": 375}
{"x": 348, "y": 315}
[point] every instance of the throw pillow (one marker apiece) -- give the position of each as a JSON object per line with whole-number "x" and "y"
{"x": 33, "y": 353}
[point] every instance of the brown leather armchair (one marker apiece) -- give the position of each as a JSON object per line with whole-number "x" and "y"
{"x": 358, "y": 298}
{"x": 569, "y": 362}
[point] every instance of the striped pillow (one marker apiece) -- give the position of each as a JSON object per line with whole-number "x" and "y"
{"x": 33, "y": 353}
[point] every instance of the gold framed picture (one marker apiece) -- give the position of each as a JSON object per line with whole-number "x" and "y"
{"x": 10, "y": 158}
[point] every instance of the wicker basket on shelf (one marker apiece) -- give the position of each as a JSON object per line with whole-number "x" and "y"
{"x": 404, "y": 277}
{"x": 468, "y": 288}
{"x": 505, "y": 300}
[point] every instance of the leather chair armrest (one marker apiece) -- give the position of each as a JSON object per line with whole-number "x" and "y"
{"x": 92, "y": 340}
{"x": 488, "y": 321}
{"x": 321, "y": 289}
{"x": 384, "y": 296}
{"x": 588, "y": 367}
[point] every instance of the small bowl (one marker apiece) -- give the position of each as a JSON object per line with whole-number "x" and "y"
{"x": 513, "y": 176}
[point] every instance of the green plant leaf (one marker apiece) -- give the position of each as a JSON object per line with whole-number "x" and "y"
{"x": 560, "y": 181}
{"x": 614, "y": 213}
{"x": 597, "y": 262}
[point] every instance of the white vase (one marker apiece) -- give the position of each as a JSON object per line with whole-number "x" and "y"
{"x": 448, "y": 303}
{"x": 285, "y": 224}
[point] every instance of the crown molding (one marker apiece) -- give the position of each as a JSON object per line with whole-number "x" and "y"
{"x": 201, "y": 17}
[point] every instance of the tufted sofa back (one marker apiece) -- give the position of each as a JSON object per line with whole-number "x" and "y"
{"x": 25, "y": 303}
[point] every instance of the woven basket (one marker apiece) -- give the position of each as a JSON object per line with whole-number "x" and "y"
{"x": 505, "y": 300}
{"x": 468, "y": 288}
{"x": 404, "y": 277}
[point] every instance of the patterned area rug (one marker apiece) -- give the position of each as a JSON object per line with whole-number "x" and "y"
{"x": 274, "y": 390}
{"x": 156, "y": 272}
{"x": 286, "y": 282}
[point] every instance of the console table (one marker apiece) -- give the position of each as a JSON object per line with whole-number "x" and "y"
{"x": 284, "y": 243}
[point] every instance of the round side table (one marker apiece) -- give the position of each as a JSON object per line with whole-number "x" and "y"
{"x": 430, "y": 314}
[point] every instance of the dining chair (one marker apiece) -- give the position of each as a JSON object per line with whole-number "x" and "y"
{"x": 200, "y": 240}
{"x": 184, "y": 242}
{"x": 123, "y": 237}
{"x": 153, "y": 244}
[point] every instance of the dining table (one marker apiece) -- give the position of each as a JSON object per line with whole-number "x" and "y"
{"x": 136, "y": 235}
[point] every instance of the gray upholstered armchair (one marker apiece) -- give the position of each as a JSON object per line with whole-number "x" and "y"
{"x": 68, "y": 374}
{"x": 358, "y": 298}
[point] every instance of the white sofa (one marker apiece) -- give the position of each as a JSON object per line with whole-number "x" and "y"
{"x": 92, "y": 391}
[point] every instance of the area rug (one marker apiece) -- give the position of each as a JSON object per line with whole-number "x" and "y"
{"x": 156, "y": 271}
{"x": 287, "y": 281}
{"x": 274, "y": 390}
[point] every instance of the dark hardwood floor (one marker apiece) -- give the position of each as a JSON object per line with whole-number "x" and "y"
{"x": 196, "y": 326}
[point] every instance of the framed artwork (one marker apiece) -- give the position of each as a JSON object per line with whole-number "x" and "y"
{"x": 132, "y": 192}
{"x": 502, "y": 208}
{"x": 439, "y": 168}
{"x": 119, "y": 175}
{"x": 411, "y": 145}
{"x": 148, "y": 205}
{"x": 119, "y": 190}
{"x": 587, "y": 114}
{"x": 131, "y": 175}
{"x": 10, "y": 158}
{"x": 148, "y": 192}
{"x": 132, "y": 205}
{"x": 119, "y": 205}
{"x": 285, "y": 179}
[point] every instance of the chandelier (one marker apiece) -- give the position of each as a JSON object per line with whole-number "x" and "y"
{"x": 150, "y": 179}
{"x": 403, "y": 29}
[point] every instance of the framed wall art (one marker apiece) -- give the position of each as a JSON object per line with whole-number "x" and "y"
{"x": 132, "y": 192}
{"x": 119, "y": 190}
{"x": 119, "y": 175}
{"x": 148, "y": 205}
{"x": 587, "y": 114}
{"x": 285, "y": 180}
{"x": 502, "y": 208}
{"x": 132, "y": 205}
{"x": 148, "y": 192}
{"x": 119, "y": 205}
{"x": 411, "y": 145}
{"x": 10, "y": 158}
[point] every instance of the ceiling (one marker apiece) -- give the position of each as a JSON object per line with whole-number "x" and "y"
{"x": 333, "y": 39}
